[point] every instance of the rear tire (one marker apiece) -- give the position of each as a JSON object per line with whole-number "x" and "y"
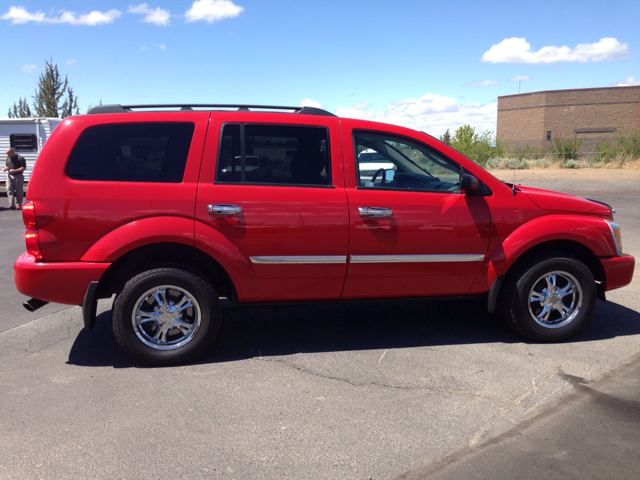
{"x": 549, "y": 297}
{"x": 166, "y": 316}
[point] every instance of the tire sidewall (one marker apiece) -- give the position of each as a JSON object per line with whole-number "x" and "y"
{"x": 127, "y": 300}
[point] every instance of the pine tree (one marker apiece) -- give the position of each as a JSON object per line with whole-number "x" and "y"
{"x": 21, "y": 110}
{"x": 70, "y": 105}
{"x": 48, "y": 96}
{"x": 446, "y": 138}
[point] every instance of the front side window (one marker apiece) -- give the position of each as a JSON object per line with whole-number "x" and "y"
{"x": 23, "y": 142}
{"x": 274, "y": 154}
{"x": 132, "y": 152}
{"x": 388, "y": 161}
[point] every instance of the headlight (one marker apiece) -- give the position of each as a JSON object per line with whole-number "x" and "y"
{"x": 617, "y": 237}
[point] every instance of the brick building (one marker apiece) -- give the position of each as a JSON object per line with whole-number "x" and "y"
{"x": 591, "y": 114}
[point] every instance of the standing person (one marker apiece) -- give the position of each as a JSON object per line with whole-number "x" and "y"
{"x": 16, "y": 164}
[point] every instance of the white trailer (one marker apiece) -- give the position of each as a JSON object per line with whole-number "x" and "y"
{"x": 27, "y": 136}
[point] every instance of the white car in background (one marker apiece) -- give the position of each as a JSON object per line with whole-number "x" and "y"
{"x": 369, "y": 162}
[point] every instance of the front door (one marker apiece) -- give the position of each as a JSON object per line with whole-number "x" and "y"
{"x": 413, "y": 232}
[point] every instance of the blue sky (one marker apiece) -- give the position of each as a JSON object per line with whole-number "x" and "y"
{"x": 427, "y": 65}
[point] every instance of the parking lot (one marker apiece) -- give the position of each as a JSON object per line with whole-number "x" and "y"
{"x": 351, "y": 391}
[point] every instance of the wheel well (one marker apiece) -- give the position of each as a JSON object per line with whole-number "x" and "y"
{"x": 574, "y": 249}
{"x": 147, "y": 256}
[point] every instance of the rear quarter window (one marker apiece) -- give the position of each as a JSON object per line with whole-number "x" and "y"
{"x": 132, "y": 152}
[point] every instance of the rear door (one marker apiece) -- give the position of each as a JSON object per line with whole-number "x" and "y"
{"x": 273, "y": 185}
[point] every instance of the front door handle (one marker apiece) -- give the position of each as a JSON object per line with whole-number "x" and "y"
{"x": 224, "y": 209}
{"x": 374, "y": 211}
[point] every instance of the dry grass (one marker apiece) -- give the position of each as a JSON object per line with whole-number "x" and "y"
{"x": 553, "y": 162}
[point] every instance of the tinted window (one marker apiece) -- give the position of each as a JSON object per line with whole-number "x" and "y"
{"x": 278, "y": 154}
{"x": 388, "y": 161}
{"x": 132, "y": 152}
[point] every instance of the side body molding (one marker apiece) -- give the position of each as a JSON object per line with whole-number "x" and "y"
{"x": 592, "y": 232}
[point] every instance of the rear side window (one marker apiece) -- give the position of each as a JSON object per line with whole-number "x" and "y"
{"x": 132, "y": 152}
{"x": 274, "y": 154}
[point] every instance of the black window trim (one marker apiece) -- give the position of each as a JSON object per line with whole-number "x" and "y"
{"x": 391, "y": 189}
{"x": 243, "y": 181}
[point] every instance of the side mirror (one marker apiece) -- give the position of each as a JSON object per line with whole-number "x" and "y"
{"x": 469, "y": 183}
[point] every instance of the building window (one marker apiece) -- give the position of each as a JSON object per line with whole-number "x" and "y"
{"x": 549, "y": 135}
{"x": 24, "y": 142}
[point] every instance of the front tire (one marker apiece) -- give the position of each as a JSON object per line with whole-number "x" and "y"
{"x": 549, "y": 298}
{"x": 166, "y": 316}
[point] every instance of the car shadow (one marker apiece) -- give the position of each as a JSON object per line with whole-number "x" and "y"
{"x": 248, "y": 333}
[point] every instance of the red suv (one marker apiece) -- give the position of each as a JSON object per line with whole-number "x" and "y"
{"x": 172, "y": 208}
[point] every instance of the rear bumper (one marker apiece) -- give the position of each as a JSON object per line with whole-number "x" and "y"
{"x": 618, "y": 270}
{"x": 59, "y": 282}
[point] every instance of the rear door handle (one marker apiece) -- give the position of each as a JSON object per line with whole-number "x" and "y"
{"x": 374, "y": 211}
{"x": 224, "y": 209}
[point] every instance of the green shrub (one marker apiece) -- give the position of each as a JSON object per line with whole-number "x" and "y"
{"x": 479, "y": 147}
{"x": 626, "y": 144}
{"x": 566, "y": 149}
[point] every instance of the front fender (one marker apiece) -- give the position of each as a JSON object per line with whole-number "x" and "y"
{"x": 592, "y": 232}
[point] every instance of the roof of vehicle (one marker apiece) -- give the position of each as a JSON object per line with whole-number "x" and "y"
{"x": 116, "y": 108}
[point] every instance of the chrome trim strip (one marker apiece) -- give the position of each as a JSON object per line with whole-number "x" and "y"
{"x": 299, "y": 259}
{"x": 465, "y": 257}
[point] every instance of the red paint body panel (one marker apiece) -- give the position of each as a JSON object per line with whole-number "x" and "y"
{"x": 74, "y": 214}
{"x": 618, "y": 271}
{"x": 593, "y": 232}
{"x": 60, "y": 282}
{"x": 280, "y": 220}
{"x": 558, "y": 201}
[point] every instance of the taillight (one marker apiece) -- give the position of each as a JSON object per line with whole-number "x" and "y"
{"x": 31, "y": 235}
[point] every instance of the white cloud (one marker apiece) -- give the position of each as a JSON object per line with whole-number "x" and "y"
{"x": 517, "y": 50}
{"x": 520, "y": 78}
{"x": 362, "y": 106}
{"x": 143, "y": 48}
{"x": 629, "y": 82}
{"x": 430, "y": 113}
{"x": 19, "y": 15}
{"x": 212, "y": 10}
{"x": 307, "y": 102}
{"x": 71, "y": 62}
{"x": 29, "y": 68}
{"x": 162, "y": 47}
{"x": 158, "y": 16}
{"x": 481, "y": 83}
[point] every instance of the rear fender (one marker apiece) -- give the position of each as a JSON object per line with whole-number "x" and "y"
{"x": 138, "y": 233}
{"x": 230, "y": 257}
{"x": 168, "y": 229}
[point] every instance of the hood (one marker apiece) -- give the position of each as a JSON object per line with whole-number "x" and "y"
{"x": 565, "y": 202}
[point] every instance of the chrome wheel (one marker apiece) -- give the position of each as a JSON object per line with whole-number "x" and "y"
{"x": 166, "y": 317}
{"x": 555, "y": 299}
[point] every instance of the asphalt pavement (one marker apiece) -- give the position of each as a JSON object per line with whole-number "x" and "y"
{"x": 411, "y": 390}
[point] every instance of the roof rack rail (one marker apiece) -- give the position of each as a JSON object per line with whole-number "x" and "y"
{"x": 188, "y": 107}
